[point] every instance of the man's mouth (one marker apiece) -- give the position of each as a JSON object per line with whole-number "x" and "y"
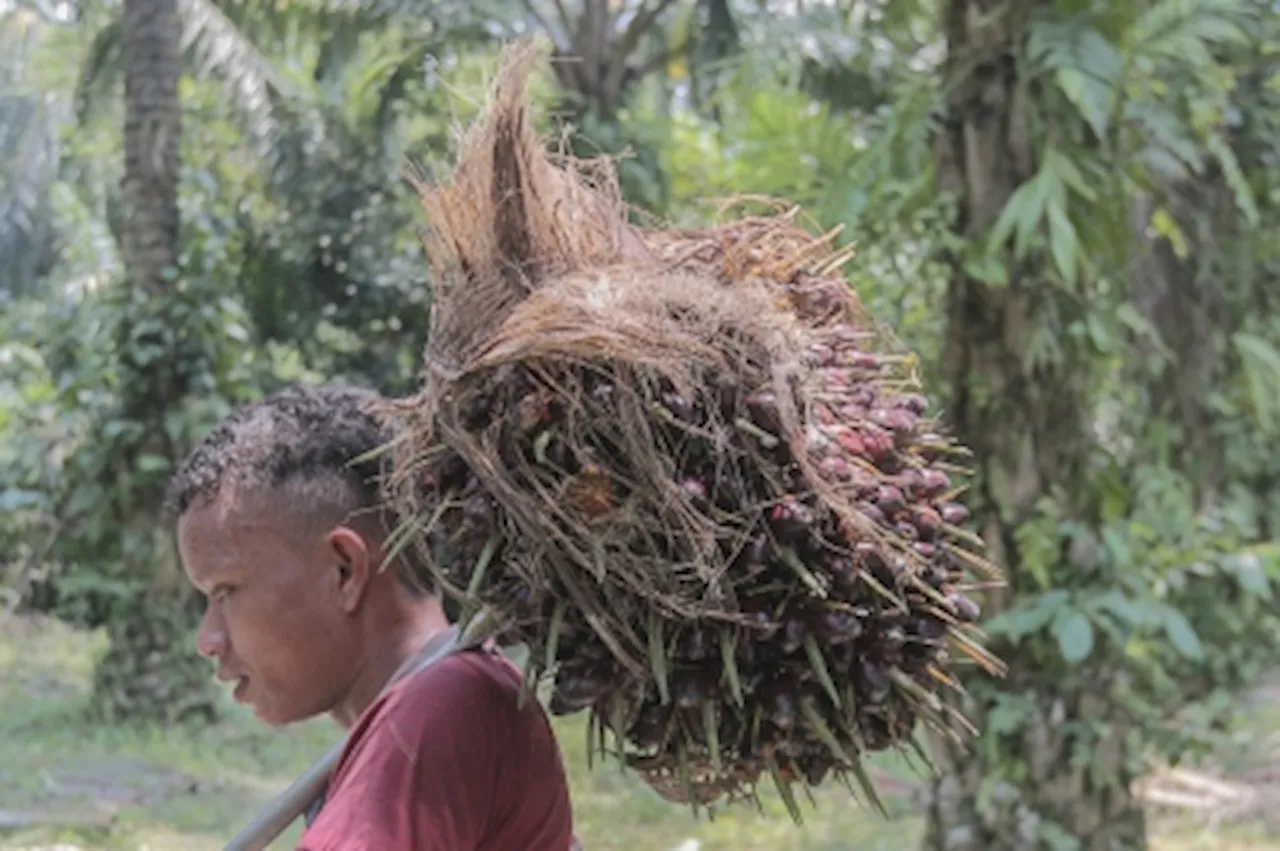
{"x": 241, "y": 684}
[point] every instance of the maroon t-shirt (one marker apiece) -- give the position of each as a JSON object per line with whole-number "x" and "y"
{"x": 445, "y": 760}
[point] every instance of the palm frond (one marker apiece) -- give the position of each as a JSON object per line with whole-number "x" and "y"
{"x": 101, "y": 73}
{"x": 28, "y": 153}
{"x": 28, "y": 165}
{"x": 220, "y": 49}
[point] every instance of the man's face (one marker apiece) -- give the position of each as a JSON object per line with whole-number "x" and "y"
{"x": 275, "y": 623}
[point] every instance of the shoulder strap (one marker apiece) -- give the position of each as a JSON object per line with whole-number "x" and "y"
{"x": 313, "y": 810}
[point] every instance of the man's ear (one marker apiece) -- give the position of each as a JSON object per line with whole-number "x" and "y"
{"x": 353, "y": 567}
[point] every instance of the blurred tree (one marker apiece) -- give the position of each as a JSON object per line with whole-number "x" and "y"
{"x": 1058, "y": 118}
{"x": 297, "y": 258}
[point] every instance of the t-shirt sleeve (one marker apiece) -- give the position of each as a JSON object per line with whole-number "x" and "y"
{"x": 424, "y": 774}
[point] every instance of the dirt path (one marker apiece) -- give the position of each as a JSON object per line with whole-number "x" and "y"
{"x": 1240, "y": 785}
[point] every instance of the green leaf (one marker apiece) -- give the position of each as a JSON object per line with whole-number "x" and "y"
{"x": 1235, "y": 177}
{"x": 1016, "y": 210}
{"x": 1130, "y": 318}
{"x": 152, "y": 463}
{"x": 1090, "y": 96}
{"x": 1098, "y": 332}
{"x": 1057, "y": 838}
{"x": 1163, "y": 164}
{"x": 1166, "y": 226}
{"x": 1167, "y": 132}
{"x": 1117, "y": 546}
{"x": 1261, "y": 362}
{"x": 1182, "y": 635}
{"x": 982, "y": 266}
{"x": 1087, "y": 67}
{"x": 1045, "y": 187}
{"x": 1031, "y": 616}
{"x": 1128, "y": 611}
{"x": 1179, "y": 29}
{"x": 1009, "y": 713}
{"x": 1069, "y": 173}
{"x": 1064, "y": 243}
{"x": 15, "y": 500}
{"x": 1249, "y": 573}
{"x": 1074, "y": 633}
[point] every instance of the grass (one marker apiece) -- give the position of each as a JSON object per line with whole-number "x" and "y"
{"x": 192, "y": 788}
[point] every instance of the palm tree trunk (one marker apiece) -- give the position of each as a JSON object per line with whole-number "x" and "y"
{"x": 151, "y": 669}
{"x": 151, "y": 33}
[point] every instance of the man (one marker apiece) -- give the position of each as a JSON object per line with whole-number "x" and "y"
{"x": 305, "y": 616}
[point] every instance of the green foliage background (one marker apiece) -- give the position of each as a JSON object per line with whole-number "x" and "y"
{"x": 1144, "y": 238}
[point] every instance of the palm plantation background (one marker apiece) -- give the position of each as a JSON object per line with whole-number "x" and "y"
{"x": 1070, "y": 208}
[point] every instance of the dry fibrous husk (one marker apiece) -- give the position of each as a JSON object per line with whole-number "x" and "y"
{"x": 687, "y": 471}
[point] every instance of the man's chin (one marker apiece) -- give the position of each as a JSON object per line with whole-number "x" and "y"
{"x": 271, "y": 717}
{"x": 271, "y": 722}
{"x": 268, "y": 712}
{"x": 276, "y": 717}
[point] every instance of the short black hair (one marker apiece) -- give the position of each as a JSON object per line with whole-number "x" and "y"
{"x": 304, "y": 438}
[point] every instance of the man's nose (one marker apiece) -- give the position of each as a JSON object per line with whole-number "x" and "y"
{"x": 211, "y": 641}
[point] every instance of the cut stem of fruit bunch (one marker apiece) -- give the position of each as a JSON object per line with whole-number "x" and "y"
{"x": 687, "y": 471}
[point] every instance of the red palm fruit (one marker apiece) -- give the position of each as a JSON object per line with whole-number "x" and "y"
{"x": 794, "y": 635}
{"x": 851, "y": 442}
{"x": 790, "y": 520}
{"x": 875, "y": 682}
{"x": 696, "y": 492}
{"x": 897, "y": 420}
{"x": 878, "y": 443}
{"x": 837, "y": 626}
{"x": 872, "y": 513}
{"x": 780, "y": 705}
{"x": 844, "y": 576}
{"x": 890, "y": 500}
{"x": 913, "y": 402}
{"x": 928, "y": 522}
{"x": 864, "y": 360}
{"x": 679, "y": 406}
{"x": 966, "y": 610}
{"x": 863, "y": 394}
{"x": 836, "y": 468}
{"x": 853, "y": 412}
{"x": 925, "y": 549}
{"x": 954, "y": 513}
{"x": 935, "y": 482}
{"x": 763, "y": 407}
{"x": 912, "y": 483}
{"x": 650, "y": 726}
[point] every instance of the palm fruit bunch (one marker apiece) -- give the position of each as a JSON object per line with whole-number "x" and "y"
{"x": 687, "y": 472}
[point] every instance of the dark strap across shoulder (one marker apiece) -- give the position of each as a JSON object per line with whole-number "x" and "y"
{"x": 309, "y": 816}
